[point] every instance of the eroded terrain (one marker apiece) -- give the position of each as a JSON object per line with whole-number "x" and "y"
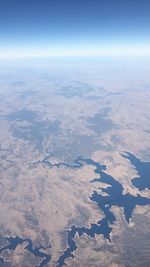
{"x": 75, "y": 166}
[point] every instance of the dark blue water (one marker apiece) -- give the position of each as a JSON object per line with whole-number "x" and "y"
{"x": 15, "y": 241}
{"x": 114, "y": 197}
{"x": 143, "y": 169}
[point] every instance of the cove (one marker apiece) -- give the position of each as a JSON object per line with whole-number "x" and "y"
{"x": 143, "y": 169}
{"x": 15, "y": 241}
{"x": 114, "y": 197}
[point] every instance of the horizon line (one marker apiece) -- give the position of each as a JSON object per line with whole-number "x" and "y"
{"x": 20, "y": 57}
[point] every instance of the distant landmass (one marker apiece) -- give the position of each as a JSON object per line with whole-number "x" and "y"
{"x": 75, "y": 166}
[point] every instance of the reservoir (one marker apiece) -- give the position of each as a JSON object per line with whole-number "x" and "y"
{"x": 15, "y": 241}
{"x": 114, "y": 197}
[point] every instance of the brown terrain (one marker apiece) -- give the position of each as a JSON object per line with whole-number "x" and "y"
{"x": 96, "y": 113}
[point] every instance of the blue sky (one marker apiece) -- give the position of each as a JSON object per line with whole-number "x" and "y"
{"x": 74, "y": 27}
